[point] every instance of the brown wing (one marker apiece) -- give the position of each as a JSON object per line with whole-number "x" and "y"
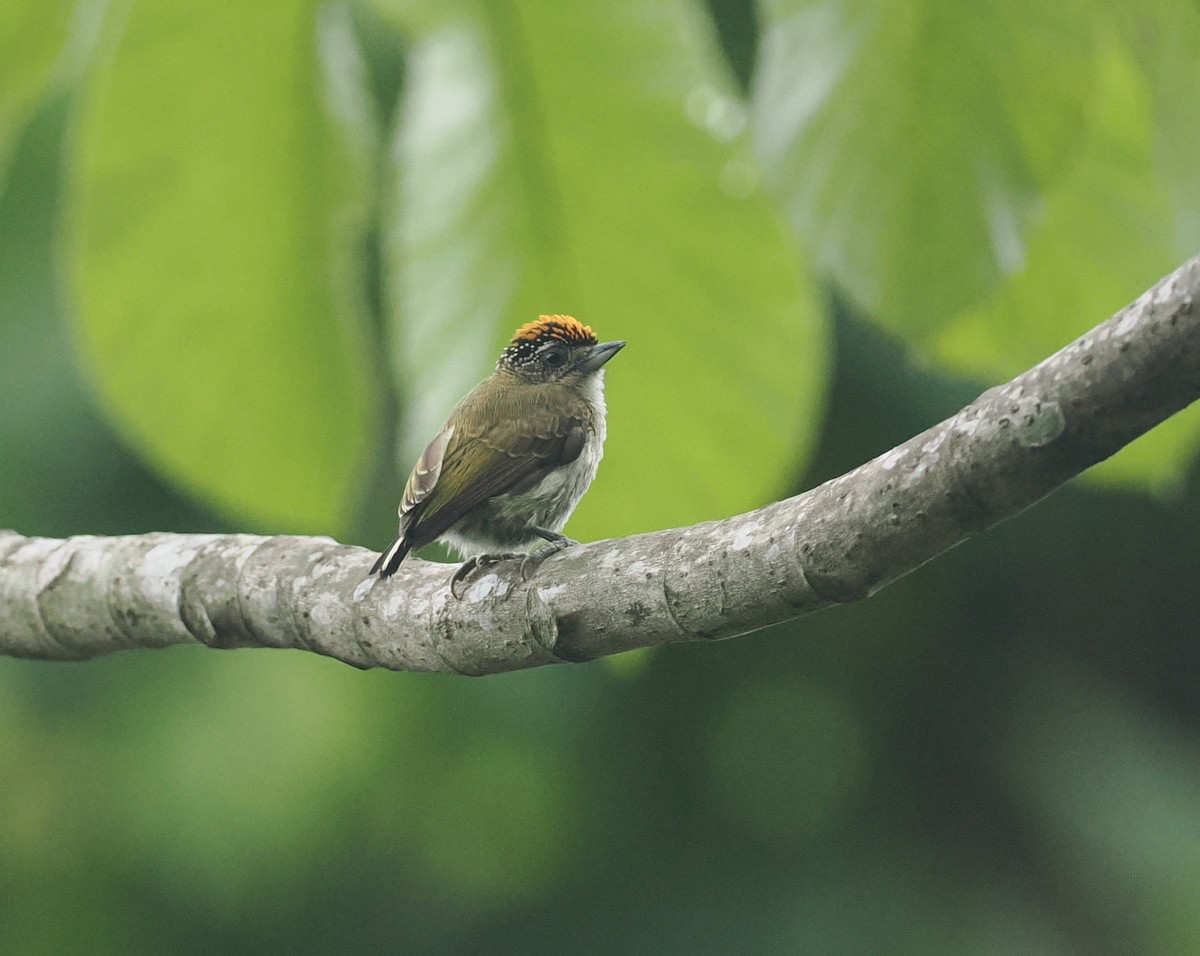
{"x": 476, "y": 467}
{"x": 425, "y": 473}
{"x": 484, "y": 454}
{"x": 420, "y": 484}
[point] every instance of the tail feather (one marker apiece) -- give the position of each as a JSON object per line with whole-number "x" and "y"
{"x": 387, "y": 563}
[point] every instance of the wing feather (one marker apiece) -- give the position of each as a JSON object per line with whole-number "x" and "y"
{"x": 469, "y": 462}
{"x": 425, "y": 473}
{"x": 475, "y": 468}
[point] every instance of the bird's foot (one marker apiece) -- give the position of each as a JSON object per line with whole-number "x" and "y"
{"x": 555, "y": 542}
{"x": 530, "y": 562}
{"x": 478, "y": 563}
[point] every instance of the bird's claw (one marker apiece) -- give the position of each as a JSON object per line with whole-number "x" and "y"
{"x": 534, "y": 558}
{"x": 529, "y": 562}
{"x": 478, "y": 563}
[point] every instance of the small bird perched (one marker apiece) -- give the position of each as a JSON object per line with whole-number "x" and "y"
{"x": 515, "y": 455}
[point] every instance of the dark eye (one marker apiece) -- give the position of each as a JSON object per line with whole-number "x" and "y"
{"x": 554, "y": 356}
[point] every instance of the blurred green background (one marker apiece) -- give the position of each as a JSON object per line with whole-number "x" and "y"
{"x": 251, "y": 254}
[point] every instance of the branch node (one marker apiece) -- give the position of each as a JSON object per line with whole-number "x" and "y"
{"x": 835, "y": 588}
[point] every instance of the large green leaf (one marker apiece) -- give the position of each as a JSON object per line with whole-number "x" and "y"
{"x": 1109, "y": 232}
{"x": 32, "y": 35}
{"x": 587, "y": 159}
{"x": 215, "y": 208}
{"x": 1168, "y": 44}
{"x": 911, "y": 139}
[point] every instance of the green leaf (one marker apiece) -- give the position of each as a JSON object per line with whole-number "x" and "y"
{"x": 32, "y": 36}
{"x": 216, "y": 211}
{"x": 911, "y": 139}
{"x": 1168, "y": 45}
{"x": 588, "y": 159}
{"x": 1108, "y": 234}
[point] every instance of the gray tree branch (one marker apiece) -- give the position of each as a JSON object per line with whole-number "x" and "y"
{"x": 76, "y": 598}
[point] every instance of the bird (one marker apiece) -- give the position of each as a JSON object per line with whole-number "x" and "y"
{"x": 515, "y": 455}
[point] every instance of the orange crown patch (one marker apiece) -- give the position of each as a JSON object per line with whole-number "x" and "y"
{"x": 563, "y": 327}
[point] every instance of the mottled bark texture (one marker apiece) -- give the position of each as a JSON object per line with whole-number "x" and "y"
{"x": 76, "y": 598}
